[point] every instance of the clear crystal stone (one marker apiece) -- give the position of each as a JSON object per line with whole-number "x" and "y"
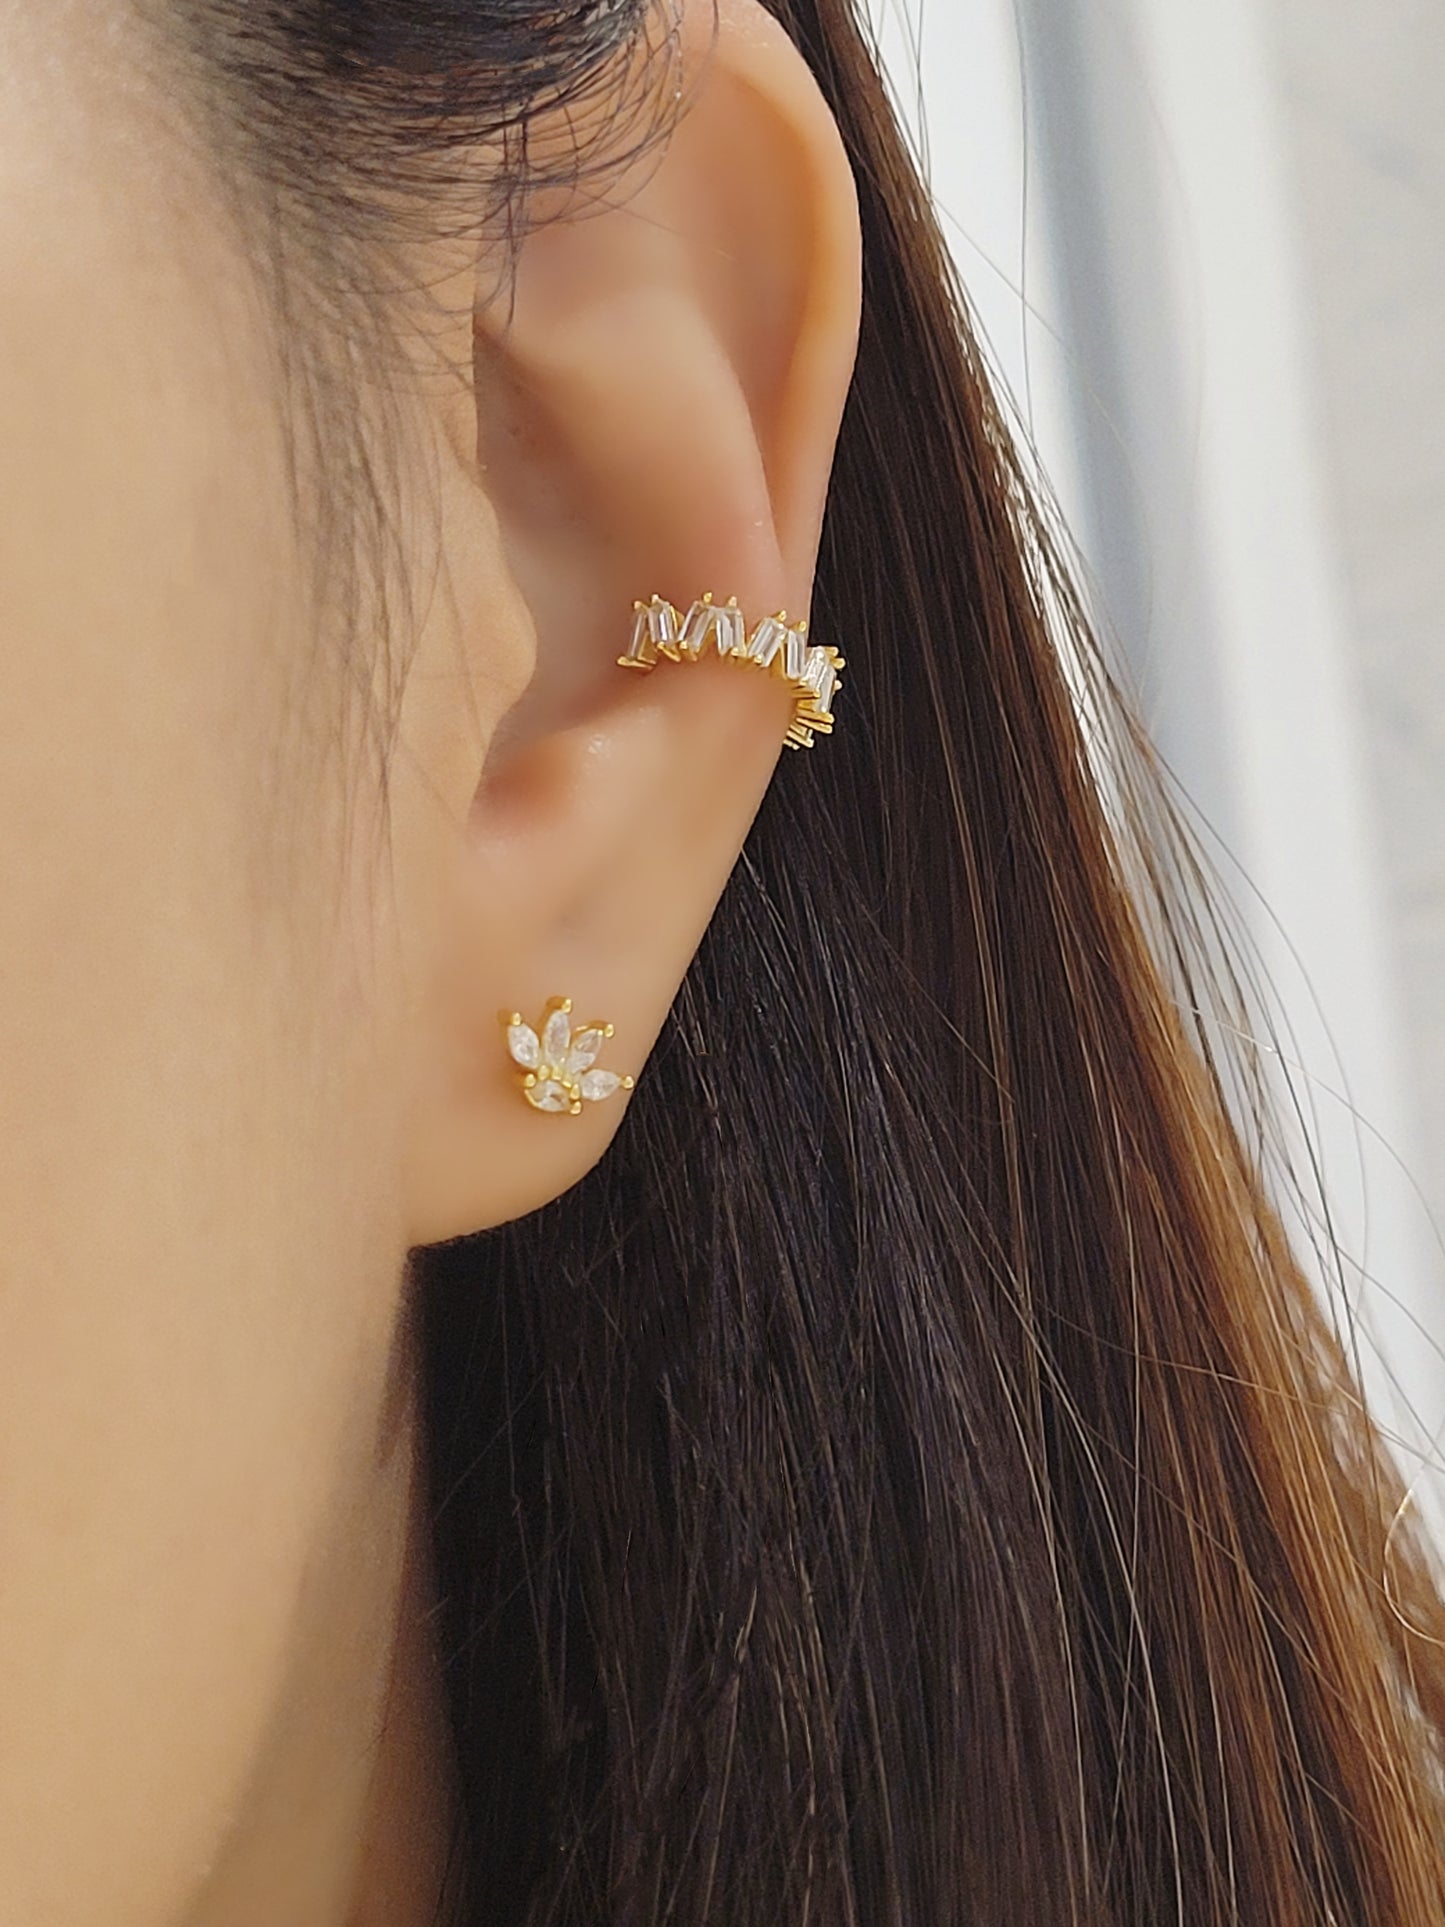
{"x": 728, "y": 627}
{"x": 556, "y": 1036}
{"x": 662, "y": 625}
{"x": 585, "y": 1046}
{"x": 796, "y": 658}
{"x": 549, "y": 1095}
{"x": 822, "y": 679}
{"x": 697, "y": 628}
{"x": 768, "y": 639}
{"x": 525, "y": 1045}
{"x": 643, "y": 647}
{"x": 600, "y": 1084}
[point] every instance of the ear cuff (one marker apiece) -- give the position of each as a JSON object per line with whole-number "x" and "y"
{"x": 777, "y": 646}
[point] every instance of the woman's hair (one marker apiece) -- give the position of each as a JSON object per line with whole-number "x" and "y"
{"x": 910, "y": 1480}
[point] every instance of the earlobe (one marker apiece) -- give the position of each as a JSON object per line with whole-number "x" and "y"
{"x": 658, "y": 398}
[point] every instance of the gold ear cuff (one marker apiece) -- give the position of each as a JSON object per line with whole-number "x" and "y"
{"x": 776, "y": 645}
{"x": 557, "y": 1062}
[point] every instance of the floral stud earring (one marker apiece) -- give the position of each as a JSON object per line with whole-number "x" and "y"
{"x": 557, "y": 1061}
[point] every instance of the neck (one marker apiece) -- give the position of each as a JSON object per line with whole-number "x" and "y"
{"x": 347, "y": 1818}
{"x": 406, "y": 1835}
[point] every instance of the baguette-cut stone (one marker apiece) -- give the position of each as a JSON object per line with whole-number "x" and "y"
{"x": 695, "y": 628}
{"x": 768, "y": 638}
{"x": 643, "y": 647}
{"x": 654, "y": 629}
{"x": 731, "y": 631}
{"x": 549, "y": 1095}
{"x": 796, "y": 656}
{"x": 718, "y": 623}
{"x": 556, "y": 1037}
{"x": 662, "y": 626}
{"x": 600, "y": 1084}
{"x": 525, "y": 1045}
{"x": 585, "y": 1046}
{"x": 821, "y": 677}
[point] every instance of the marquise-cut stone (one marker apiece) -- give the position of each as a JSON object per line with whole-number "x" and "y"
{"x": 549, "y": 1095}
{"x": 585, "y": 1046}
{"x": 525, "y": 1045}
{"x": 556, "y": 1036}
{"x": 600, "y": 1084}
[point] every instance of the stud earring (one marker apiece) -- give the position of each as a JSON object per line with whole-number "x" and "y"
{"x": 777, "y": 646}
{"x": 556, "y": 1061}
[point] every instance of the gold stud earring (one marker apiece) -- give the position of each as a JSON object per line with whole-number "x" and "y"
{"x": 777, "y": 646}
{"x": 557, "y": 1061}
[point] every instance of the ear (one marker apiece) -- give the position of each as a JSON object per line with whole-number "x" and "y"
{"x": 655, "y": 404}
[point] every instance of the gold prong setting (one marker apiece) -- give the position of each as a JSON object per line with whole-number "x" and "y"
{"x": 558, "y": 1062}
{"x": 811, "y": 671}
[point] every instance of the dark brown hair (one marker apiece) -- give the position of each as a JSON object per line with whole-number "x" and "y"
{"x": 910, "y": 1481}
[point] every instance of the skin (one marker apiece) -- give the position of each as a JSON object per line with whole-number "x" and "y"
{"x": 246, "y": 1067}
